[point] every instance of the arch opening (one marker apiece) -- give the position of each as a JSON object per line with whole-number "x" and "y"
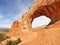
{"x": 40, "y": 21}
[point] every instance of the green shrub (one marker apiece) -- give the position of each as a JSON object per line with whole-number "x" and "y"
{"x": 17, "y": 41}
{"x": 3, "y": 37}
{"x": 10, "y": 42}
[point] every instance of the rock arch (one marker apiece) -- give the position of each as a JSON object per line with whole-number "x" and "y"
{"x": 50, "y": 8}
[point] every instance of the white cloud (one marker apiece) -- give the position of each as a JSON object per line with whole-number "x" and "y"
{"x": 7, "y": 20}
{"x": 1, "y": 16}
{"x": 6, "y": 23}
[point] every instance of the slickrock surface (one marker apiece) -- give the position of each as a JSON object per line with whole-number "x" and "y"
{"x": 45, "y": 36}
{"x": 39, "y": 7}
{"x": 49, "y": 35}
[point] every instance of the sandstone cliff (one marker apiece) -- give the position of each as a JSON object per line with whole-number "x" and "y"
{"x": 49, "y": 35}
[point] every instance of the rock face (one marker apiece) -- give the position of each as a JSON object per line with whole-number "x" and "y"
{"x": 49, "y": 35}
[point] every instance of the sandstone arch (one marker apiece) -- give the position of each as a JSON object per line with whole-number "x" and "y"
{"x": 52, "y": 11}
{"x": 50, "y": 36}
{"x": 39, "y": 7}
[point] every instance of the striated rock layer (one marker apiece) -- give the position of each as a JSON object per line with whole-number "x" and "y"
{"x": 49, "y": 35}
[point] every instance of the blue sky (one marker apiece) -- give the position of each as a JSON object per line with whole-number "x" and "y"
{"x": 40, "y": 21}
{"x": 11, "y": 10}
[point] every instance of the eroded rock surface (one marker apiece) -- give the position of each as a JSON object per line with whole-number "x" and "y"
{"x": 37, "y": 36}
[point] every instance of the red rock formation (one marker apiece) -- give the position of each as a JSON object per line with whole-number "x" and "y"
{"x": 39, "y": 7}
{"x": 37, "y": 36}
{"x": 50, "y": 10}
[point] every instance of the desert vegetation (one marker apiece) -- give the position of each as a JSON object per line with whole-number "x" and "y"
{"x": 15, "y": 42}
{"x": 3, "y": 37}
{"x": 3, "y": 32}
